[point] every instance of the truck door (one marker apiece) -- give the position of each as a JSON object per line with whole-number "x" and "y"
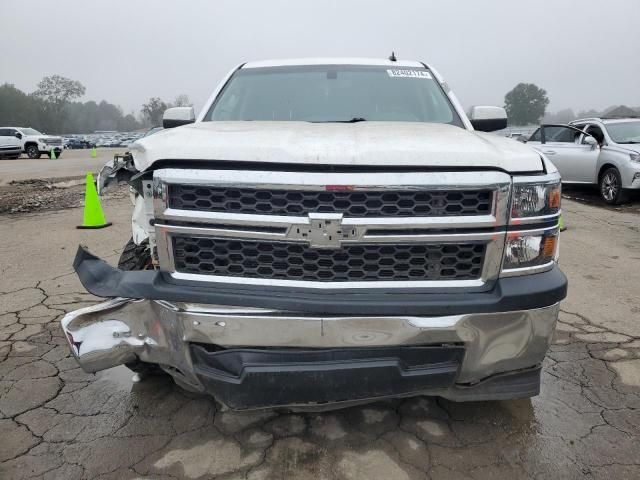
{"x": 7, "y": 140}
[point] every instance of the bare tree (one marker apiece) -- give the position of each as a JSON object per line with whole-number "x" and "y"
{"x": 153, "y": 110}
{"x": 182, "y": 100}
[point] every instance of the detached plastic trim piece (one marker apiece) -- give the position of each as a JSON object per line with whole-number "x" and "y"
{"x": 509, "y": 294}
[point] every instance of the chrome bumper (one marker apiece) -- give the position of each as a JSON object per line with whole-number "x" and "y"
{"x": 122, "y": 330}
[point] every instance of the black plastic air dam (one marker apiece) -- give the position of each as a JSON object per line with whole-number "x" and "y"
{"x": 254, "y": 378}
{"x": 509, "y": 294}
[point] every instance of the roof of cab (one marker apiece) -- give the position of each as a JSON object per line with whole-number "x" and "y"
{"x": 289, "y": 62}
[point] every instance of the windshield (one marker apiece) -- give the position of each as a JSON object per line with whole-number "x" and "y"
{"x": 333, "y": 93}
{"x": 624, "y": 132}
{"x": 29, "y": 131}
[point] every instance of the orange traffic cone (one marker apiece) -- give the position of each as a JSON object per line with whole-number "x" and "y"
{"x": 93, "y": 215}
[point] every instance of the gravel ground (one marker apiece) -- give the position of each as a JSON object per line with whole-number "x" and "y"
{"x": 27, "y": 196}
{"x": 59, "y": 422}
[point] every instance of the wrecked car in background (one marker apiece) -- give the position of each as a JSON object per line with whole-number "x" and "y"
{"x": 327, "y": 232}
{"x": 595, "y": 151}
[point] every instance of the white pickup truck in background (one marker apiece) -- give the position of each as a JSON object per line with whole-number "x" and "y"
{"x": 34, "y": 143}
{"x": 10, "y": 144}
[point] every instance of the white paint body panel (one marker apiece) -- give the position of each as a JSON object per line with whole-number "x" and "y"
{"x": 364, "y": 143}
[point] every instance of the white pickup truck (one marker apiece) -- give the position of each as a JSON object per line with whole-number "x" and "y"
{"x": 329, "y": 232}
{"x": 34, "y": 143}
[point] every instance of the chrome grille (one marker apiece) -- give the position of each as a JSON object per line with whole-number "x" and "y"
{"x": 358, "y": 204}
{"x": 330, "y": 230}
{"x": 296, "y": 261}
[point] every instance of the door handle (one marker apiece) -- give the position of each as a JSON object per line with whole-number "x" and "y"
{"x": 549, "y": 152}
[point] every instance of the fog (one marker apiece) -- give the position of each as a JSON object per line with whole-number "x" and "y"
{"x": 585, "y": 54}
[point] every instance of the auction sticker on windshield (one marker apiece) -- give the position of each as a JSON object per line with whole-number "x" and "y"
{"x": 399, "y": 73}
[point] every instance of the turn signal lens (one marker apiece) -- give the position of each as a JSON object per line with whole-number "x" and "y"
{"x": 524, "y": 249}
{"x": 554, "y": 197}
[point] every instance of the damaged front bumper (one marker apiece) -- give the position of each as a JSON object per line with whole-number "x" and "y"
{"x": 257, "y": 349}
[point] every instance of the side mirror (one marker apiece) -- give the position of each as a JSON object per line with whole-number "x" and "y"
{"x": 588, "y": 140}
{"x": 18, "y": 135}
{"x": 488, "y": 119}
{"x": 176, "y": 116}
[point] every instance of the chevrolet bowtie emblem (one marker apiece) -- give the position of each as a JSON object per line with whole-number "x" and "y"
{"x": 323, "y": 230}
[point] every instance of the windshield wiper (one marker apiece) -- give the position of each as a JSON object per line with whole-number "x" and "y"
{"x": 351, "y": 120}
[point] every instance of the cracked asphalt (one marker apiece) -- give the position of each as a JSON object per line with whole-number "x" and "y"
{"x": 59, "y": 422}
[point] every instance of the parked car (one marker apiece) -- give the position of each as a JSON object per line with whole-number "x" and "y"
{"x": 74, "y": 143}
{"x": 304, "y": 253}
{"x": 10, "y": 144}
{"x": 34, "y": 143}
{"x": 595, "y": 151}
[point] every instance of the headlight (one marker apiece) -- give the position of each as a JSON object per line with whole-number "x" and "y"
{"x": 42, "y": 140}
{"x": 532, "y": 240}
{"x": 530, "y": 249}
{"x": 634, "y": 157}
{"x": 534, "y": 200}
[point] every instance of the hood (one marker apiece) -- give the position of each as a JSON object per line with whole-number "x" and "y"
{"x": 363, "y": 143}
{"x": 623, "y": 147}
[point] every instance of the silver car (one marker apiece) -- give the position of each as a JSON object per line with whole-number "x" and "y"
{"x": 598, "y": 151}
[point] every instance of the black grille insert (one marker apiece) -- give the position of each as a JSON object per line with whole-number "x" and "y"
{"x": 297, "y": 261}
{"x": 403, "y": 203}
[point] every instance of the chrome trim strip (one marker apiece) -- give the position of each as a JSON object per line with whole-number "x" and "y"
{"x": 479, "y": 221}
{"x": 361, "y": 235}
{"x": 538, "y": 219}
{"x": 549, "y": 178}
{"x": 191, "y": 277}
{"x": 515, "y": 272}
{"x": 481, "y": 180}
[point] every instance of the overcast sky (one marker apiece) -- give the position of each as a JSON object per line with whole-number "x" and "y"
{"x": 586, "y": 53}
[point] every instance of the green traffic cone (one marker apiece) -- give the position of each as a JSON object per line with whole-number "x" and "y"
{"x": 52, "y": 154}
{"x": 93, "y": 215}
{"x": 94, "y": 153}
{"x": 562, "y": 227}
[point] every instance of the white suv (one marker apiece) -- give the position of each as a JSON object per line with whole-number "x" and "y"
{"x": 34, "y": 143}
{"x": 597, "y": 151}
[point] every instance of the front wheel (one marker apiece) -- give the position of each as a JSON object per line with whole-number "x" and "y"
{"x": 33, "y": 152}
{"x": 611, "y": 189}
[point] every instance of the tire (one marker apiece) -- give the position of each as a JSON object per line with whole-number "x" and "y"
{"x": 610, "y": 186}
{"x": 138, "y": 257}
{"x": 135, "y": 257}
{"x": 32, "y": 151}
